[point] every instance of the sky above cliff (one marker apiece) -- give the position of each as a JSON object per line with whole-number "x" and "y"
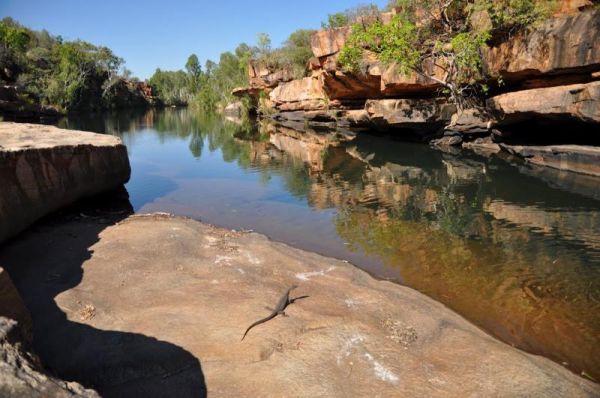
{"x": 158, "y": 33}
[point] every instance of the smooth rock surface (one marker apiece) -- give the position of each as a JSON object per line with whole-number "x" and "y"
{"x": 575, "y": 103}
{"x": 302, "y": 94}
{"x": 157, "y": 305}
{"x": 576, "y": 158}
{"x": 43, "y": 168}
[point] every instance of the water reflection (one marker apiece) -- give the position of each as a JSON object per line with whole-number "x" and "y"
{"x": 513, "y": 248}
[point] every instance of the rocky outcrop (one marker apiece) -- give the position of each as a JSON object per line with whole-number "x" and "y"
{"x": 551, "y": 77}
{"x": 261, "y": 76}
{"x": 422, "y": 115}
{"x": 303, "y": 94}
{"x": 329, "y": 41}
{"x": 576, "y": 158}
{"x": 567, "y": 45}
{"x": 352, "y": 336}
{"x": 43, "y": 168}
{"x": 576, "y": 102}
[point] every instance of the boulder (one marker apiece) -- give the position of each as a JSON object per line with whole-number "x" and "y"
{"x": 329, "y": 41}
{"x": 575, "y": 103}
{"x": 263, "y": 77}
{"x": 563, "y": 45}
{"x": 43, "y": 168}
{"x": 470, "y": 121}
{"x": 420, "y": 114}
{"x": 301, "y": 94}
{"x": 482, "y": 146}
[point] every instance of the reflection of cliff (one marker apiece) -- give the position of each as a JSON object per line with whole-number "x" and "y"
{"x": 500, "y": 247}
{"x": 524, "y": 293}
{"x": 580, "y": 226}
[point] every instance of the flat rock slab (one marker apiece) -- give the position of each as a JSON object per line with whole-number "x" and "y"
{"x": 575, "y": 158}
{"x": 156, "y": 305}
{"x": 43, "y": 168}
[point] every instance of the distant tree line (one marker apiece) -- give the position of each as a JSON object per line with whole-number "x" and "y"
{"x": 210, "y": 87}
{"x": 69, "y": 75}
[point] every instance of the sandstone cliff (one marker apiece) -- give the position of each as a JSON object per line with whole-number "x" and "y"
{"x": 550, "y": 76}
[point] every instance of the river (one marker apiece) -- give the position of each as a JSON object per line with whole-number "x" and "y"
{"x": 513, "y": 248}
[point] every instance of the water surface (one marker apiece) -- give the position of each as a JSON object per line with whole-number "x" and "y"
{"x": 515, "y": 249}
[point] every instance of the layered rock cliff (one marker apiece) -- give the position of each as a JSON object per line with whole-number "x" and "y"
{"x": 550, "y": 85}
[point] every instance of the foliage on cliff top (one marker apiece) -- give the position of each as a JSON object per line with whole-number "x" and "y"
{"x": 46, "y": 69}
{"x": 448, "y": 34}
{"x": 293, "y": 54}
{"x": 350, "y": 16}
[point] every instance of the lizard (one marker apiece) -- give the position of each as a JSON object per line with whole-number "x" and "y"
{"x": 282, "y": 304}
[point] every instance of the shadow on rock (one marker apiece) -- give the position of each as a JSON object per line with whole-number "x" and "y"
{"x": 46, "y": 261}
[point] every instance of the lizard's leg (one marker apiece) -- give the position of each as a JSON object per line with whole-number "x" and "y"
{"x": 282, "y": 313}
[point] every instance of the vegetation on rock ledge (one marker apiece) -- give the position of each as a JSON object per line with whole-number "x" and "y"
{"x": 69, "y": 75}
{"x": 426, "y": 36}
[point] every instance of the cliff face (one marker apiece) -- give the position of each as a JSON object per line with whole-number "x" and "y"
{"x": 550, "y": 75}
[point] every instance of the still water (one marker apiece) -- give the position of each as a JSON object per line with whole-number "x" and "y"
{"x": 515, "y": 249}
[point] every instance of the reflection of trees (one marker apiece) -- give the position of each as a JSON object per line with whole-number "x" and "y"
{"x": 529, "y": 297}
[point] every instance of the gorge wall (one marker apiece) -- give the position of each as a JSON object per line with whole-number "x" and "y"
{"x": 547, "y": 110}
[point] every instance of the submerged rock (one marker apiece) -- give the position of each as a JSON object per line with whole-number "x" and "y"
{"x": 576, "y": 158}
{"x": 43, "y": 168}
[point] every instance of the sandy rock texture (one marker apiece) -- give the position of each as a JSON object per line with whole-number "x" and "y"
{"x": 156, "y": 305}
{"x": 43, "y": 168}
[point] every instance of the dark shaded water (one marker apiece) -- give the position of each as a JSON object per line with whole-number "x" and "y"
{"x": 514, "y": 249}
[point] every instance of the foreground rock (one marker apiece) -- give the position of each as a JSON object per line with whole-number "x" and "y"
{"x": 156, "y": 306}
{"x": 43, "y": 168}
{"x": 21, "y": 374}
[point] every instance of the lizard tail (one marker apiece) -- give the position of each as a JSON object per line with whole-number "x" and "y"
{"x": 258, "y": 323}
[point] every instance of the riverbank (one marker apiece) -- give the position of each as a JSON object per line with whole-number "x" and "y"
{"x": 157, "y": 304}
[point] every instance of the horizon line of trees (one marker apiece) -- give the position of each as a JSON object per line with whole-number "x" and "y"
{"x": 68, "y": 75}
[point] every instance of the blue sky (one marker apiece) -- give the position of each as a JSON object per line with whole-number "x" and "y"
{"x": 152, "y": 33}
